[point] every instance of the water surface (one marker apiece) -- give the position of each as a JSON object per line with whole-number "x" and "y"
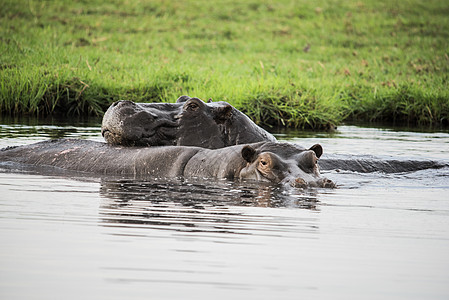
{"x": 378, "y": 236}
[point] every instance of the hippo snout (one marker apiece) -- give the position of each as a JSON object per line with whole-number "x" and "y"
{"x": 322, "y": 183}
{"x": 327, "y": 183}
{"x": 299, "y": 183}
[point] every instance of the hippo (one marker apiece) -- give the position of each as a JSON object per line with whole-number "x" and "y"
{"x": 369, "y": 165}
{"x": 188, "y": 122}
{"x": 280, "y": 163}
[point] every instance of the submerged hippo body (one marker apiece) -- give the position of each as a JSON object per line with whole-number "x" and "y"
{"x": 265, "y": 161}
{"x": 188, "y": 122}
{"x": 369, "y": 165}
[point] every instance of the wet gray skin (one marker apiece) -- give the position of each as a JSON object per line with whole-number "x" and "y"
{"x": 284, "y": 163}
{"x": 280, "y": 163}
{"x": 365, "y": 165}
{"x": 132, "y": 124}
{"x": 188, "y": 122}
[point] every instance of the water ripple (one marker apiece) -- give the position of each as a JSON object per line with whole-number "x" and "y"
{"x": 199, "y": 206}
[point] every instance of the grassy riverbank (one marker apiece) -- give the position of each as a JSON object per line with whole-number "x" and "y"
{"x": 292, "y": 63}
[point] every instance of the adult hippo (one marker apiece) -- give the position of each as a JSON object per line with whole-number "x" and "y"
{"x": 282, "y": 163}
{"x": 188, "y": 122}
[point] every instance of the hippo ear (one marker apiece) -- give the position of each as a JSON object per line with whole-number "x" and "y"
{"x": 223, "y": 113}
{"x": 249, "y": 154}
{"x": 210, "y": 100}
{"x": 317, "y": 149}
{"x": 182, "y": 99}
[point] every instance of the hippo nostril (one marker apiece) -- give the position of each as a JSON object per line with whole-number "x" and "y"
{"x": 327, "y": 183}
{"x": 299, "y": 183}
{"x": 228, "y": 111}
{"x": 104, "y": 131}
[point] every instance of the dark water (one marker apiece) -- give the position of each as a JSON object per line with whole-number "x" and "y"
{"x": 378, "y": 236}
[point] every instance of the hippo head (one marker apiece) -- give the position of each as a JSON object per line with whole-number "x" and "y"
{"x": 284, "y": 163}
{"x": 216, "y": 124}
{"x": 188, "y": 122}
{"x": 134, "y": 124}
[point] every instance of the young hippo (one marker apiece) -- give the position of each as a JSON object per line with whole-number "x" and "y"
{"x": 188, "y": 122}
{"x": 264, "y": 161}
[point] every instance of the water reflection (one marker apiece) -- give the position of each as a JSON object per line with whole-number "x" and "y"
{"x": 194, "y": 205}
{"x": 378, "y": 142}
{"x": 382, "y": 235}
{"x": 30, "y": 132}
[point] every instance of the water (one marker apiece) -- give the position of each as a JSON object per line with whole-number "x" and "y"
{"x": 378, "y": 236}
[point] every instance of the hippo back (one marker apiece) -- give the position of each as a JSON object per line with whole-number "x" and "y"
{"x": 101, "y": 158}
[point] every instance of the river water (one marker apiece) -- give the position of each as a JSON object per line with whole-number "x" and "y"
{"x": 377, "y": 236}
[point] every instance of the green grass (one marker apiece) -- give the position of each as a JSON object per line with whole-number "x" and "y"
{"x": 289, "y": 63}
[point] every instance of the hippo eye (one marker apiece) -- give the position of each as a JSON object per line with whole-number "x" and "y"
{"x": 264, "y": 163}
{"x": 192, "y": 106}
